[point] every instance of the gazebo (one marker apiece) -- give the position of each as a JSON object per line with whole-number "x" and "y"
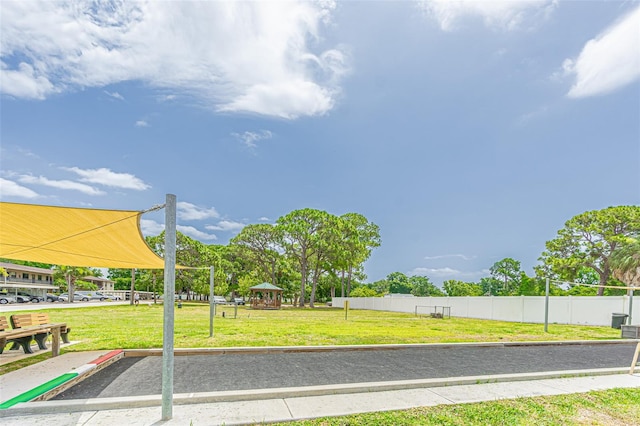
{"x": 265, "y": 296}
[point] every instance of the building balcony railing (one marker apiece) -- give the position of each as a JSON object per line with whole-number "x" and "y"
{"x": 16, "y": 280}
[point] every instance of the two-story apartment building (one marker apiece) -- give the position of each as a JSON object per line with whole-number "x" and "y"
{"x": 33, "y": 280}
{"x": 103, "y": 284}
{"x": 39, "y": 281}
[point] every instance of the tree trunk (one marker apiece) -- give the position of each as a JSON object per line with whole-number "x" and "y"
{"x": 349, "y": 280}
{"x": 72, "y": 289}
{"x": 312, "y": 298}
{"x": 303, "y": 282}
{"x": 133, "y": 286}
{"x": 314, "y": 286}
{"x": 342, "y": 284}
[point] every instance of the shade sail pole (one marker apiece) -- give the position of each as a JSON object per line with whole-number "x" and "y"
{"x": 169, "y": 291}
{"x": 212, "y": 305}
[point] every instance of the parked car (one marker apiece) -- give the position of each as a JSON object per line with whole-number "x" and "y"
{"x": 105, "y": 296}
{"x": 238, "y": 300}
{"x": 52, "y": 297}
{"x": 77, "y": 297}
{"x": 24, "y": 297}
{"x": 6, "y": 298}
{"x": 219, "y": 300}
{"x": 94, "y": 295}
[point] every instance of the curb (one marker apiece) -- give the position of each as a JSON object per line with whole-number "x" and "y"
{"x": 53, "y": 387}
{"x": 339, "y": 348}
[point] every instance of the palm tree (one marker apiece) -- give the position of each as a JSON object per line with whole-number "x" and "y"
{"x": 625, "y": 263}
{"x": 71, "y": 274}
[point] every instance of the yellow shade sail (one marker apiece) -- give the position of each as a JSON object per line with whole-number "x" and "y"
{"x": 74, "y": 237}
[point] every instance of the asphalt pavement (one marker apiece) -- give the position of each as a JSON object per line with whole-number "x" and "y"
{"x": 295, "y": 367}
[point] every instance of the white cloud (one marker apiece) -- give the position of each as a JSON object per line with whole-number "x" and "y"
{"x": 449, "y": 256}
{"x": 115, "y": 95}
{"x": 141, "y": 123}
{"x": 188, "y": 211}
{"x": 232, "y": 56}
{"x": 448, "y": 273}
{"x": 437, "y": 272}
{"x": 151, "y": 227}
{"x": 499, "y": 14}
{"x": 226, "y": 225}
{"x": 250, "y": 138}
{"x": 195, "y": 233}
{"x": 106, "y": 177}
{"x": 25, "y": 82}
{"x": 61, "y": 184}
{"x": 609, "y": 61}
{"x": 9, "y": 188}
{"x": 264, "y": 219}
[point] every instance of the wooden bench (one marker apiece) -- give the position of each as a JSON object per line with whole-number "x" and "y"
{"x": 19, "y": 337}
{"x": 40, "y": 322}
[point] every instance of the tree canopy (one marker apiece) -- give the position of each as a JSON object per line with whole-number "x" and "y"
{"x": 588, "y": 240}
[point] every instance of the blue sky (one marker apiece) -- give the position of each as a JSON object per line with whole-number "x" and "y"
{"x": 469, "y": 131}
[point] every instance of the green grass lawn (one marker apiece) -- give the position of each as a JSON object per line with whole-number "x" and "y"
{"x": 137, "y": 327}
{"x": 606, "y": 408}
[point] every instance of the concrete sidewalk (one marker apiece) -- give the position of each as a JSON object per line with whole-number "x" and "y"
{"x": 295, "y": 408}
{"x": 283, "y": 404}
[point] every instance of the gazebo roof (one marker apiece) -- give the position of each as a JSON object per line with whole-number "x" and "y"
{"x": 265, "y": 286}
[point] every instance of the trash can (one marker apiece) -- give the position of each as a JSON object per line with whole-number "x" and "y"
{"x": 617, "y": 320}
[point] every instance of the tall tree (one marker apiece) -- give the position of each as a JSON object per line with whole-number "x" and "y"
{"x": 71, "y": 275}
{"x": 329, "y": 246}
{"x": 260, "y": 244}
{"x": 589, "y": 239}
{"x": 360, "y": 237}
{"x": 422, "y": 287}
{"x": 398, "y": 283}
{"x": 507, "y": 272}
{"x": 461, "y": 288}
{"x": 490, "y": 286}
{"x": 381, "y": 286}
{"x": 301, "y": 240}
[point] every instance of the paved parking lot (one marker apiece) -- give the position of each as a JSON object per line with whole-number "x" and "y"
{"x": 13, "y": 307}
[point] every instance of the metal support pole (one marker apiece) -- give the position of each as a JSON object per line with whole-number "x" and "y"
{"x": 212, "y": 305}
{"x": 630, "y": 306}
{"x": 169, "y": 291}
{"x": 546, "y": 307}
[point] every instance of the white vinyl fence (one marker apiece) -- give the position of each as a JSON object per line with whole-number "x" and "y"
{"x": 587, "y": 310}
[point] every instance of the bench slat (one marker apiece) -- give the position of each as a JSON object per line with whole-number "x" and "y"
{"x": 4, "y": 324}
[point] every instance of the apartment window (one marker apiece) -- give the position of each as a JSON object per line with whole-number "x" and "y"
{"x": 39, "y": 277}
{"x": 25, "y": 276}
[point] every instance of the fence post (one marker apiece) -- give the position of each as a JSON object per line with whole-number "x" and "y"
{"x": 546, "y": 306}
